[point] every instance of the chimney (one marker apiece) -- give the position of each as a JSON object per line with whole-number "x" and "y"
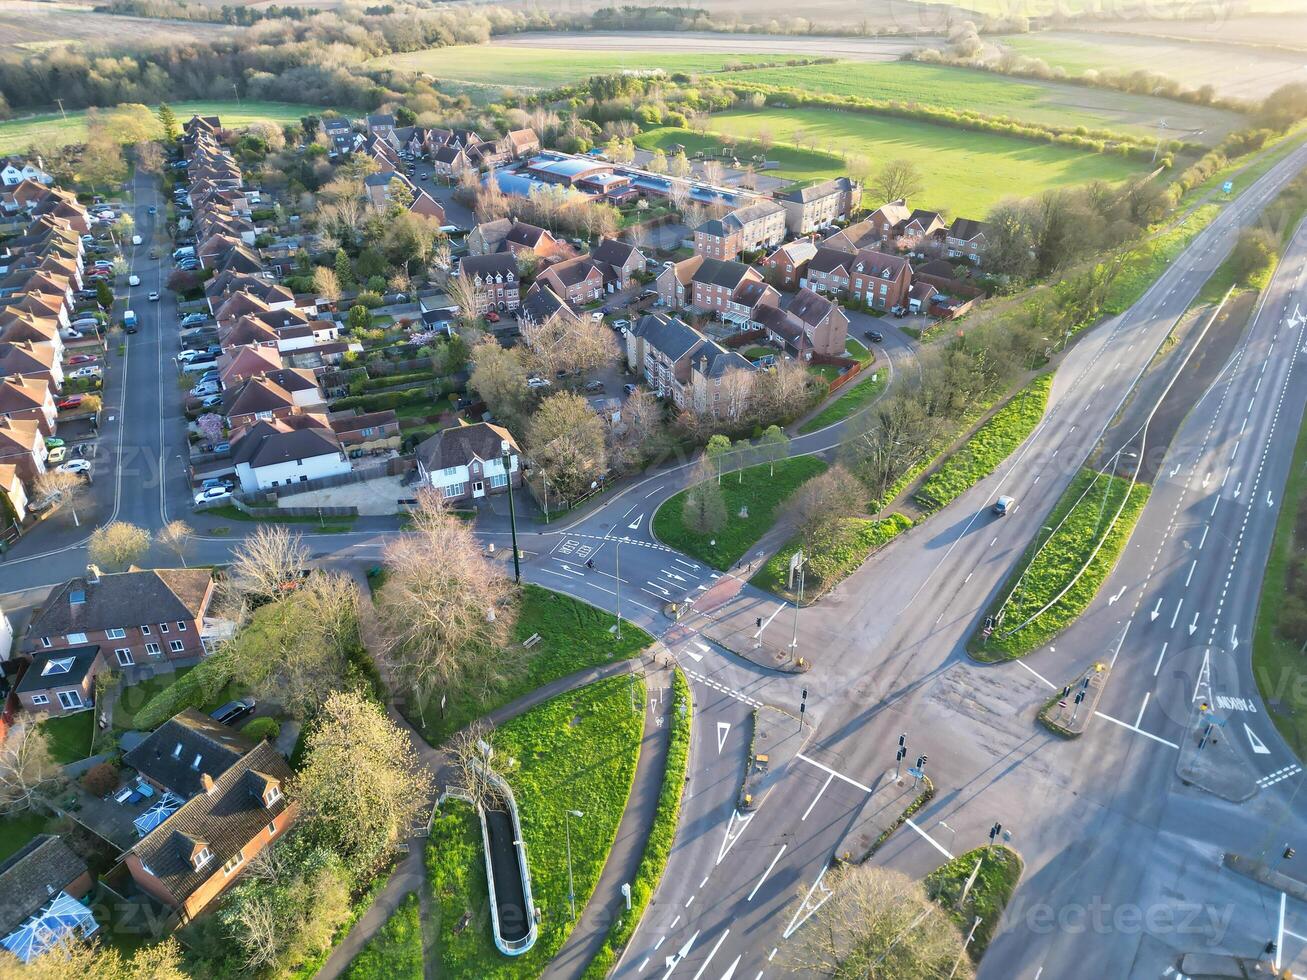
{"x": 92, "y": 575}
{"x": 207, "y": 782}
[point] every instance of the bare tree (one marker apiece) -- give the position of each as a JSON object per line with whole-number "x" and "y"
{"x": 27, "y": 770}
{"x": 462, "y": 293}
{"x": 325, "y": 283}
{"x": 267, "y": 562}
{"x": 178, "y": 537}
{"x": 823, "y": 501}
{"x": 149, "y": 158}
{"x": 65, "y": 489}
{"x": 713, "y": 171}
{"x": 897, "y": 180}
{"x": 568, "y": 344}
{"x": 704, "y": 510}
{"x": 468, "y": 753}
{"x": 640, "y": 434}
{"x": 117, "y": 545}
{"x": 443, "y": 609}
{"x": 878, "y": 923}
{"x": 774, "y": 445}
{"x": 678, "y": 166}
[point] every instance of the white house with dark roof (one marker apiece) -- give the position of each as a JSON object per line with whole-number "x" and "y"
{"x": 282, "y": 452}
{"x": 466, "y": 462}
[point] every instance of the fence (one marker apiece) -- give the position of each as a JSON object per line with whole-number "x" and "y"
{"x": 744, "y": 338}
{"x": 272, "y": 513}
{"x": 854, "y": 369}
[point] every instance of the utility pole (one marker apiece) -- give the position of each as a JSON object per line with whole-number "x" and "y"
{"x": 507, "y": 457}
{"x": 567, "y": 824}
{"x": 61, "y": 109}
{"x": 1080, "y": 696}
{"x": 794, "y": 642}
{"x": 617, "y": 587}
{"x": 803, "y": 707}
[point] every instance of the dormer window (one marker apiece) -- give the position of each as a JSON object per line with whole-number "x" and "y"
{"x": 202, "y": 857}
{"x": 195, "y": 763}
{"x": 271, "y": 795}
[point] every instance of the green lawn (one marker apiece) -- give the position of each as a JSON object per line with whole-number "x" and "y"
{"x": 1000, "y": 871}
{"x": 754, "y": 487}
{"x": 70, "y": 736}
{"x": 826, "y": 372}
{"x": 575, "y": 752}
{"x": 795, "y": 163}
{"x": 508, "y": 65}
{"x": 322, "y": 525}
{"x": 17, "y": 135}
{"x": 1151, "y": 258}
{"x": 858, "y": 351}
{"x": 17, "y": 830}
{"x": 661, "y": 835}
{"x": 395, "y": 953}
{"x": 988, "y": 446}
{"x": 574, "y": 635}
{"x": 1057, "y": 104}
{"x": 856, "y": 395}
{"x": 1054, "y": 558}
{"x": 753, "y": 353}
{"x": 833, "y": 558}
{"x": 963, "y": 172}
{"x": 134, "y": 697}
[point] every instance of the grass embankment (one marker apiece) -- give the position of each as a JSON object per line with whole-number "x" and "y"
{"x": 832, "y": 558}
{"x": 575, "y": 752}
{"x": 574, "y": 635}
{"x": 988, "y": 446}
{"x": 857, "y": 395}
{"x": 50, "y": 129}
{"x": 395, "y": 953}
{"x": 1280, "y": 218}
{"x": 661, "y": 834}
{"x": 1280, "y": 636}
{"x": 858, "y": 351}
{"x": 321, "y": 525}
{"x": 1000, "y": 871}
{"x": 69, "y": 736}
{"x": 1054, "y": 558}
{"x": 1151, "y": 258}
{"x": 755, "y": 487}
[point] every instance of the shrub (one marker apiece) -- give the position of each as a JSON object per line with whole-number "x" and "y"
{"x": 193, "y": 690}
{"x": 100, "y": 779}
{"x": 262, "y": 728}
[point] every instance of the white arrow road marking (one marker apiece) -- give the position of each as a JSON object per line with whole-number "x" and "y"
{"x": 702, "y": 646}
{"x": 664, "y": 571}
{"x": 1206, "y": 480}
{"x": 1269, "y": 501}
{"x": 697, "y": 657}
{"x": 730, "y": 971}
{"x": 723, "y": 729}
{"x": 671, "y": 961}
{"x": 1204, "y": 677}
{"x": 729, "y": 840}
{"x": 805, "y": 912}
{"x": 688, "y": 564}
{"x": 1238, "y": 489}
{"x": 1157, "y": 610}
{"x": 1259, "y": 747}
{"x": 1193, "y": 627}
{"x": 1234, "y": 639}
{"x": 1175, "y": 469}
{"x": 1114, "y": 598}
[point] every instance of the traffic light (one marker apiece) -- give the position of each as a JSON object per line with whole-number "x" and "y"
{"x": 995, "y": 830}
{"x": 903, "y": 740}
{"x": 1288, "y": 852}
{"x": 759, "y": 622}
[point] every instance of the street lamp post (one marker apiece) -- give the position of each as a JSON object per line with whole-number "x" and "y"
{"x": 617, "y": 587}
{"x": 507, "y": 456}
{"x": 567, "y": 824}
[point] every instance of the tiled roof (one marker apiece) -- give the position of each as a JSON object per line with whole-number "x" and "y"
{"x": 814, "y": 192}
{"x": 43, "y": 867}
{"x": 717, "y": 272}
{"x": 183, "y": 748}
{"x": 458, "y": 445}
{"x": 671, "y": 336}
{"x": 121, "y": 599}
{"x": 58, "y": 668}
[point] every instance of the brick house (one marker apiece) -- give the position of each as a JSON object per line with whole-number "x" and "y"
{"x": 888, "y": 220}
{"x": 465, "y": 462}
{"x": 542, "y": 306}
{"x": 619, "y": 261}
{"x": 817, "y": 206}
{"x": 450, "y": 161}
{"x": 493, "y": 280}
{"x": 28, "y": 398}
{"x": 825, "y": 325}
{"x": 523, "y": 142}
{"x": 745, "y": 229}
{"x": 60, "y": 682}
{"x": 680, "y": 364}
{"x": 924, "y": 231}
{"x": 830, "y": 271}
{"x": 367, "y": 432}
{"x": 789, "y": 263}
{"x": 881, "y": 281}
{"x": 234, "y": 806}
{"x": 578, "y": 281}
{"x": 23, "y": 447}
{"x": 966, "y": 239}
{"x": 514, "y": 237}
{"x": 36, "y": 880}
{"x": 713, "y": 284}
{"x": 137, "y": 616}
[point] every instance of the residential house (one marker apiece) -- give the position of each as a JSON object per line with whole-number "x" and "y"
{"x": 745, "y": 229}
{"x": 257, "y": 398}
{"x": 22, "y": 446}
{"x": 28, "y": 398}
{"x": 825, "y": 324}
{"x": 751, "y": 296}
{"x": 830, "y": 270}
{"x": 523, "y": 142}
{"x": 282, "y": 452}
{"x": 516, "y": 238}
{"x": 679, "y": 363}
{"x": 493, "y": 280}
{"x": 714, "y": 283}
{"x": 451, "y": 162}
{"x": 924, "y": 231}
{"x": 818, "y": 206}
{"x": 233, "y": 804}
{"x": 673, "y": 283}
{"x": 15, "y": 170}
{"x": 788, "y": 265}
{"x": 466, "y": 462}
{"x": 60, "y": 682}
{"x": 426, "y": 206}
{"x": 543, "y": 307}
{"x": 42, "y": 884}
{"x": 886, "y": 222}
{"x": 13, "y": 489}
{"x": 137, "y": 616}
{"x": 921, "y": 296}
{"x": 881, "y": 281}
{"x": 25, "y": 359}
{"x": 380, "y": 124}
{"x": 367, "y": 433}
{"x": 578, "y": 281}
{"x": 619, "y": 261}
{"x": 235, "y": 364}
{"x": 966, "y": 239}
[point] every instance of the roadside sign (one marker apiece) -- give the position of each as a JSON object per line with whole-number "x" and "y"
{"x": 915, "y": 773}
{"x": 1228, "y": 186}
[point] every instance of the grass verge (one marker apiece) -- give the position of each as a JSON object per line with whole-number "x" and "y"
{"x": 835, "y": 557}
{"x": 70, "y": 736}
{"x": 1053, "y": 559}
{"x": 1000, "y": 870}
{"x": 328, "y": 525}
{"x": 857, "y": 396}
{"x": 1151, "y": 259}
{"x": 576, "y": 751}
{"x": 755, "y": 487}
{"x": 1280, "y": 635}
{"x": 395, "y": 953}
{"x": 661, "y": 834}
{"x": 988, "y": 446}
{"x": 574, "y": 635}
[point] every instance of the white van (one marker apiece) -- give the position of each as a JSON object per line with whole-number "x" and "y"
{"x": 136, "y": 239}
{"x": 183, "y": 253}
{"x": 133, "y": 280}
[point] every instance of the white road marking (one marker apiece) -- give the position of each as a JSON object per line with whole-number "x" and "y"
{"x": 817, "y": 797}
{"x": 729, "y": 840}
{"x": 1176, "y": 615}
{"x": 1159, "y": 659}
{"x": 1258, "y": 746}
{"x": 1279, "y": 943}
{"x": 723, "y": 729}
{"x": 933, "y": 843}
{"x": 804, "y": 912}
{"x": 838, "y": 775}
{"x": 767, "y": 872}
{"x": 1140, "y": 717}
{"x": 1189, "y": 578}
{"x": 1047, "y": 682}
{"x": 680, "y": 954}
{"x": 1137, "y": 731}
{"x": 652, "y": 492}
{"x": 711, "y": 953}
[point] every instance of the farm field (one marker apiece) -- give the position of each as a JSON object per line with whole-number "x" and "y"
{"x": 1050, "y": 103}
{"x": 1234, "y": 72}
{"x": 512, "y": 66}
{"x": 18, "y": 134}
{"x": 27, "y": 26}
{"x": 963, "y": 172}
{"x": 1070, "y": 8}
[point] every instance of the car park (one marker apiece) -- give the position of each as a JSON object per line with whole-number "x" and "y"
{"x": 212, "y": 494}
{"x": 56, "y": 455}
{"x": 79, "y": 466}
{"x": 234, "y": 711}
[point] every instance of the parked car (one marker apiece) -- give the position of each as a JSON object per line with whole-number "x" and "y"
{"x": 629, "y": 388}
{"x": 187, "y": 356}
{"x": 492, "y": 317}
{"x": 537, "y": 384}
{"x": 69, "y": 403}
{"x": 56, "y": 455}
{"x": 899, "y": 311}
{"x": 210, "y": 401}
{"x": 211, "y": 494}
{"x": 68, "y": 333}
{"x": 595, "y": 385}
{"x": 83, "y": 359}
{"x": 154, "y": 296}
{"x": 80, "y": 466}
{"x": 89, "y": 371}
{"x": 875, "y": 336}
{"x": 234, "y": 711}
{"x": 192, "y": 319}
{"x": 86, "y": 294}
{"x": 204, "y": 390}
{"x": 137, "y": 240}
{"x": 53, "y": 442}
{"x": 217, "y": 481}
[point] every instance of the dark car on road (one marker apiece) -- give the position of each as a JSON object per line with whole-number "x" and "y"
{"x": 234, "y": 711}
{"x": 875, "y": 336}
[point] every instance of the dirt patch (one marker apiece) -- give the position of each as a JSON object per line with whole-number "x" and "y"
{"x": 1211, "y": 351}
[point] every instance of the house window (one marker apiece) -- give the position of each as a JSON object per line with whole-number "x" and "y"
{"x": 70, "y": 699}
{"x": 498, "y": 480}
{"x": 124, "y": 655}
{"x": 40, "y": 699}
{"x": 195, "y": 763}
{"x": 145, "y": 630}
{"x": 45, "y": 641}
{"x": 115, "y": 634}
{"x": 454, "y": 490}
{"x": 163, "y": 627}
{"x": 176, "y": 646}
{"x": 181, "y": 626}
{"x": 177, "y": 751}
{"x": 233, "y": 862}
{"x": 366, "y": 432}
{"x": 152, "y": 649}
{"x": 272, "y": 795}
{"x": 272, "y": 828}
{"x": 76, "y": 637}
{"x": 202, "y": 857}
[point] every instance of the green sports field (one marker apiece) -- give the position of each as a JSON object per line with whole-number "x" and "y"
{"x": 1049, "y": 103}
{"x": 16, "y": 135}
{"x": 964, "y": 172}
{"x": 511, "y": 66}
